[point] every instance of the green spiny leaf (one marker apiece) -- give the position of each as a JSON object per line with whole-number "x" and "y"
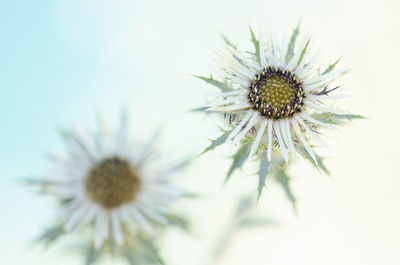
{"x": 322, "y": 165}
{"x": 132, "y": 259}
{"x": 180, "y": 222}
{"x": 217, "y": 142}
{"x": 303, "y": 52}
{"x": 348, "y": 116}
{"x": 238, "y": 160}
{"x": 150, "y": 254}
{"x": 228, "y": 42}
{"x": 303, "y": 152}
{"x": 256, "y": 45}
{"x": 72, "y": 138}
{"x": 284, "y": 180}
{"x": 36, "y": 181}
{"x": 325, "y": 117}
{"x": 292, "y": 43}
{"x": 210, "y": 80}
{"x": 262, "y": 175}
{"x": 332, "y": 118}
{"x": 200, "y": 109}
{"x": 182, "y": 164}
{"x": 51, "y": 235}
{"x": 244, "y": 204}
{"x": 92, "y": 255}
{"x": 330, "y": 67}
{"x": 257, "y": 222}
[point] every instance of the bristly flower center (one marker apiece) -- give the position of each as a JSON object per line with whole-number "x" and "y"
{"x": 276, "y": 93}
{"x": 112, "y": 182}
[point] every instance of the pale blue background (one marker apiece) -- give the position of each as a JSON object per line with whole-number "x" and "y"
{"x": 63, "y": 61}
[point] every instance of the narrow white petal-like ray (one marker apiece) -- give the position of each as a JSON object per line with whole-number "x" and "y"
{"x": 274, "y": 49}
{"x": 63, "y": 163}
{"x": 304, "y": 142}
{"x": 280, "y": 141}
{"x": 83, "y": 141}
{"x": 236, "y": 54}
{"x": 101, "y": 228}
{"x": 309, "y": 131}
{"x": 124, "y": 214}
{"x": 116, "y": 228}
{"x": 282, "y": 127}
{"x": 270, "y": 57}
{"x": 241, "y": 69}
{"x": 279, "y": 49}
{"x": 236, "y": 107}
{"x": 76, "y": 218}
{"x": 290, "y": 140}
{"x": 293, "y": 62}
{"x": 311, "y": 84}
{"x": 317, "y": 122}
{"x": 273, "y": 45}
{"x": 240, "y": 125}
{"x": 69, "y": 207}
{"x": 153, "y": 204}
{"x": 227, "y": 101}
{"x": 106, "y": 225}
{"x": 260, "y": 133}
{"x": 123, "y": 132}
{"x": 163, "y": 191}
{"x": 127, "y": 220}
{"x": 324, "y": 108}
{"x": 314, "y": 86}
{"x": 90, "y": 215}
{"x": 235, "y": 72}
{"x": 327, "y": 97}
{"x": 231, "y": 93}
{"x": 242, "y": 60}
{"x": 142, "y": 221}
{"x": 270, "y": 143}
{"x": 314, "y": 57}
{"x": 63, "y": 190}
{"x": 154, "y": 215}
{"x": 98, "y": 233}
{"x": 263, "y": 60}
{"x": 324, "y": 79}
{"x": 285, "y": 45}
{"x": 249, "y": 125}
{"x": 240, "y": 81}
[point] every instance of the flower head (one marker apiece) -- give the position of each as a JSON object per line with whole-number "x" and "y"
{"x": 122, "y": 193}
{"x": 275, "y": 98}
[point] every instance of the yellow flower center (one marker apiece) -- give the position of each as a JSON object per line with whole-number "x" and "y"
{"x": 276, "y": 93}
{"x": 112, "y": 182}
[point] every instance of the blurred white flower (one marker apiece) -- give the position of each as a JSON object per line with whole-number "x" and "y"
{"x": 118, "y": 190}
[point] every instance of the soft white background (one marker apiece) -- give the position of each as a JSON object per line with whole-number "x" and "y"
{"x": 62, "y": 61}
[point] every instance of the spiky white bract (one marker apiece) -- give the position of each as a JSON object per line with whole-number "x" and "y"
{"x": 277, "y": 96}
{"x": 147, "y": 206}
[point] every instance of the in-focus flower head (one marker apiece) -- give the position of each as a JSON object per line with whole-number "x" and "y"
{"x": 275, "y": 99}
{"x": 113, "y": 190}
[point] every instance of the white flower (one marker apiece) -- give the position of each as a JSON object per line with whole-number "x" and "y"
{"x": 275, "y": 94}
{"x": 112, "y": 186}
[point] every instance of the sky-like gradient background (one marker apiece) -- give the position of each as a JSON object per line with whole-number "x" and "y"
{"x": 63, "y": 61}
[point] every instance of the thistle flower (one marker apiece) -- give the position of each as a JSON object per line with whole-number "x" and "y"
{"x": 276, "y": 100}
{"x": 112, "y": 191}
